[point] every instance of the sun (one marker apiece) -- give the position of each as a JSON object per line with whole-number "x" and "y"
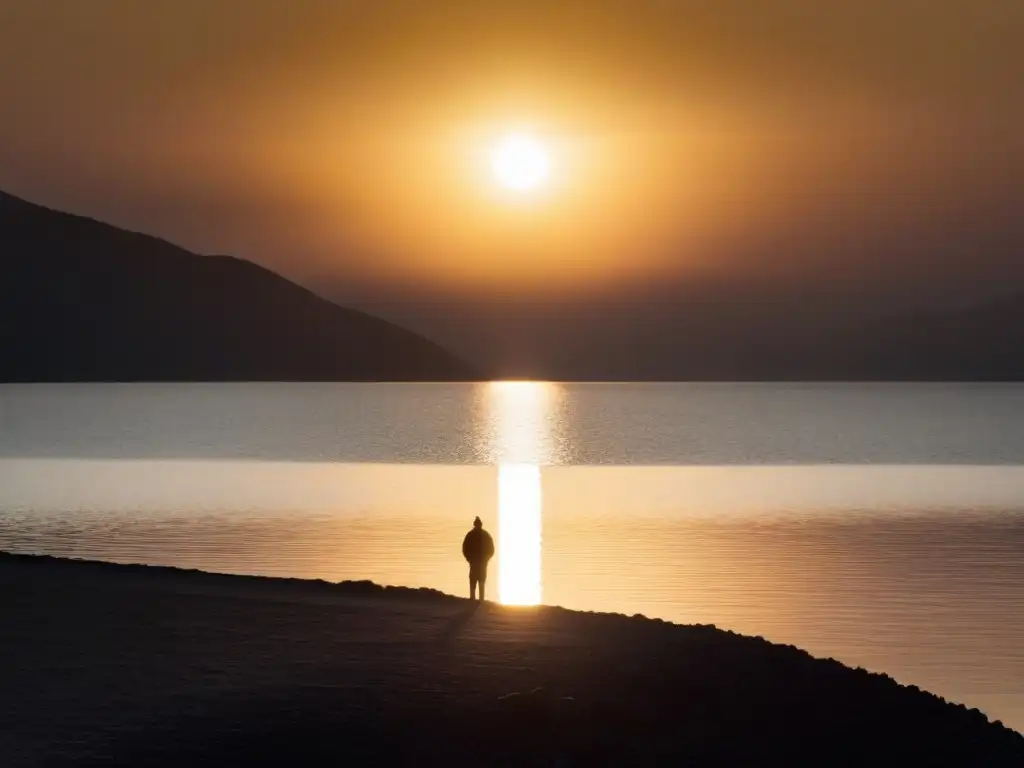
{"x": 520, "y": 162}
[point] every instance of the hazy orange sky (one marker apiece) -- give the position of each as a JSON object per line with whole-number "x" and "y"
{"x": 345, "y": 144}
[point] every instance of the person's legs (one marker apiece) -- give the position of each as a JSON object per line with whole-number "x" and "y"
{"x": 481, "y": 575}
{"x": 473, "y": 579}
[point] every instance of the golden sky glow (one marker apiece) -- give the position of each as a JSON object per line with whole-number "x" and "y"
{"x": 354, "y": 142}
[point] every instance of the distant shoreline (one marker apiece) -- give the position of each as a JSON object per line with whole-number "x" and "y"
{"x": 164, "y": 666}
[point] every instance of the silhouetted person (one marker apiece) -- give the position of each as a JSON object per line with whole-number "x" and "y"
{"x": 478, "y": 549}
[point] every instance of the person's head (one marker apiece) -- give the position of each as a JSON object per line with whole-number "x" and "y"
{"x": 477, "y": 523}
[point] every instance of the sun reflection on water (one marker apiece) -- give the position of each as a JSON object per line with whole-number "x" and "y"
{"x": 519, "y": 534}
{"x": 519, "y": 439}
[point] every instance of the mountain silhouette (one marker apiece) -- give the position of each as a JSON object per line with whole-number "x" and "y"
{"x": 738, "y": 337}
{"x": 978, "y": 342}
{"x": 85, "y": 301}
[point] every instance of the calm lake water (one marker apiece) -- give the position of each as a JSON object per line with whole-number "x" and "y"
{"x": 882, "y": 525}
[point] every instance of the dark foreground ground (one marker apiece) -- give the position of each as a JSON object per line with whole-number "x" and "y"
{"x": 128, "y": 665}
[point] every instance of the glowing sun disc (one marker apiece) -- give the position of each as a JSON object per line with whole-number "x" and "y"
{"x": 520, "y": 162}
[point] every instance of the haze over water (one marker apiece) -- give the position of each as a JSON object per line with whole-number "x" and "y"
{"x": 879, "y": 524}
